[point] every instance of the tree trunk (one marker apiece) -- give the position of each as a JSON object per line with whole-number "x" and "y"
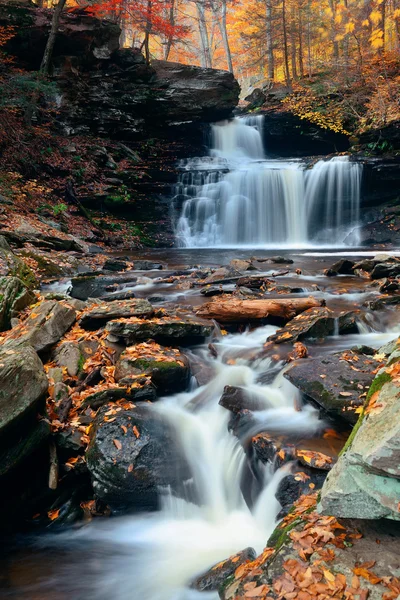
{"x": 205, "y": 44}
{"x": 146, "y": 42}
{"x": 224, "y": 35}
{"x": 237, "y": 311}
{"x": 168, "y": 45}
{"x": 335, "y": 43}
{"x": 48, "y": 52}
{"x": 270, "y": 45}
{"x": 285, "y": 44}
{"x": 301, "y": 57}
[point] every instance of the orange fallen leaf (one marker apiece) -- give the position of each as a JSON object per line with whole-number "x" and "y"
{"x": 117, "y": 444}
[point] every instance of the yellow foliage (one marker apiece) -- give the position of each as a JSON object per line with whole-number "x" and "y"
{"x": 375, "y": 17}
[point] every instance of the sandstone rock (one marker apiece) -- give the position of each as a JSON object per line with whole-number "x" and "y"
{"x": 100, "y": 315}
{"x": 44, "y": 327}
{"x": 316, "y": 323}
{"x": 333, "y": 384}
{"x": 166, "y": 330}
{"x": 169, "y": 371}
{"x": 127, "y": 469}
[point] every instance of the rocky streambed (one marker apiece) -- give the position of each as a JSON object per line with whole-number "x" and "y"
{"x": 164, "y": 412}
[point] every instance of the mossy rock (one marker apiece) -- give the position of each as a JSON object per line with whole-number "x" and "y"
{"x": 14, "y": 297}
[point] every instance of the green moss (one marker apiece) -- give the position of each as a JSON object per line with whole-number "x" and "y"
{"x": 142, "y": 363}
{"x": 81, "y": 363}
{"x": 24, "y": 273}
{"x": 47, "y": 266}
{"x": 227, "y": 582}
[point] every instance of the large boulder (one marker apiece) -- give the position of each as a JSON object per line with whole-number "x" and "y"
{"x": 365, "y": 483}
{"x": 44, "y": 327}
{"x": 337, "y": 382}
{"x": 95, "y": 317}
{"x": 23, "y": 384}
{"x": 131, "y": 457}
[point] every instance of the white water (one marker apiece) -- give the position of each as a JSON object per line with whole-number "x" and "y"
{"x": 237, "y": 197}
{"x": 155, "y": 556}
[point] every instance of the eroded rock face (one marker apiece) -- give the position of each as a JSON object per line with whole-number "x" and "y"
{"x": 14, "y": 297}
{"x": 365, "y": 483}
{"x": 127, "y": 469}
{"x": 98, "y": 316}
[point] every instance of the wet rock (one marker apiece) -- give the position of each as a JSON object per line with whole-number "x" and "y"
{"x": 365, "y": 482}
{"x": 166, "y": 330}
{"x": 214, "y": 578}
{"x": 128, "y": 469}
{"x": 96, "y": 286}
{"x": 145, "y": 265}
{"x": 169, "y": 370}
{"x": 239, "y": 264}
{"x": 341, "y": 267}
{"x": 12, "y": 266}
{"x": 112, "y": 264}
{"x": 128, "y": 295}
{"x": 141, "y": 392}
{"x": 14, "y": 297}
{"x": 45, "y": 326}
{"x": 236, "y": 399}
{"x": 23, "y": 384}
{"x": 213, "y": 290}
{"x": 223, "y": 275}
{"x": 100, "y": 315}
{"x": 316, "y": 323}
{"x": 273, "y": 450}
{"x": 336, "y": 382}
{"x": 295, "y": 485}
{"x": 255, "y": 282}
{"x": 383, "y": 301}
{"x": 382, "y": 270}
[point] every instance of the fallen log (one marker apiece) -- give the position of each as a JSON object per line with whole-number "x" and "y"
{"x": 233, "y": 310}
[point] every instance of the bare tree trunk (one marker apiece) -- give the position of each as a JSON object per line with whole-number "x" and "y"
{"x": 205, "y": 43}
{"x": 335, "y": 43}
{"x": 224, "y": 34}
{"x": 301, "y": 57}
{"x": 168, "y": 45}
{"x": 234, "y": 310}
{"x": 309, "y": 59}
{"x": 293, "y": 53}
{"x": 48, "y": 52}
{"x": 270, "y": 44}
{"x": 383, "y": 15}
{"x": 146, "y": 42}
{"x": 285, "y": 44}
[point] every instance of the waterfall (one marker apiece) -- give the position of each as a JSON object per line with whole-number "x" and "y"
{"x": 238, "y": 197}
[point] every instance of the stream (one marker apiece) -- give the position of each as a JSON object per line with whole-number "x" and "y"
{"x": 229, "y": 505}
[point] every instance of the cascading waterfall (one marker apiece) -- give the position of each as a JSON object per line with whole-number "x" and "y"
{"x": 237, "y": 197}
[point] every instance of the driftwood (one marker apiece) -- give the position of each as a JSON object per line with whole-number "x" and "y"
{"x": 237, "y": 311}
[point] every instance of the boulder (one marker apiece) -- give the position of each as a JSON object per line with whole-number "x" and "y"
{"x": 365, "y": 482}
{"x": 316, "y": 323}
{"x": 213, "y": 579}
{"x": 337, "y": 382}
{"x": 168, "y": 369}
{"x": 44, "y": 327}
{"x": 14, "y": 297}
{"x": 386, "y": 269}
{"x": 23, "y": 384}
{"x": 98, "y": 316}
{"x": 168, "y": 330}
{"x": 96, "y": 286}
{"x": 22, "y": 446}
{"x": 113, "y": 264}
{"x": 223, "y": 275}
{"x": 341, "y": 267}
{"x": 131, "y": 457}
